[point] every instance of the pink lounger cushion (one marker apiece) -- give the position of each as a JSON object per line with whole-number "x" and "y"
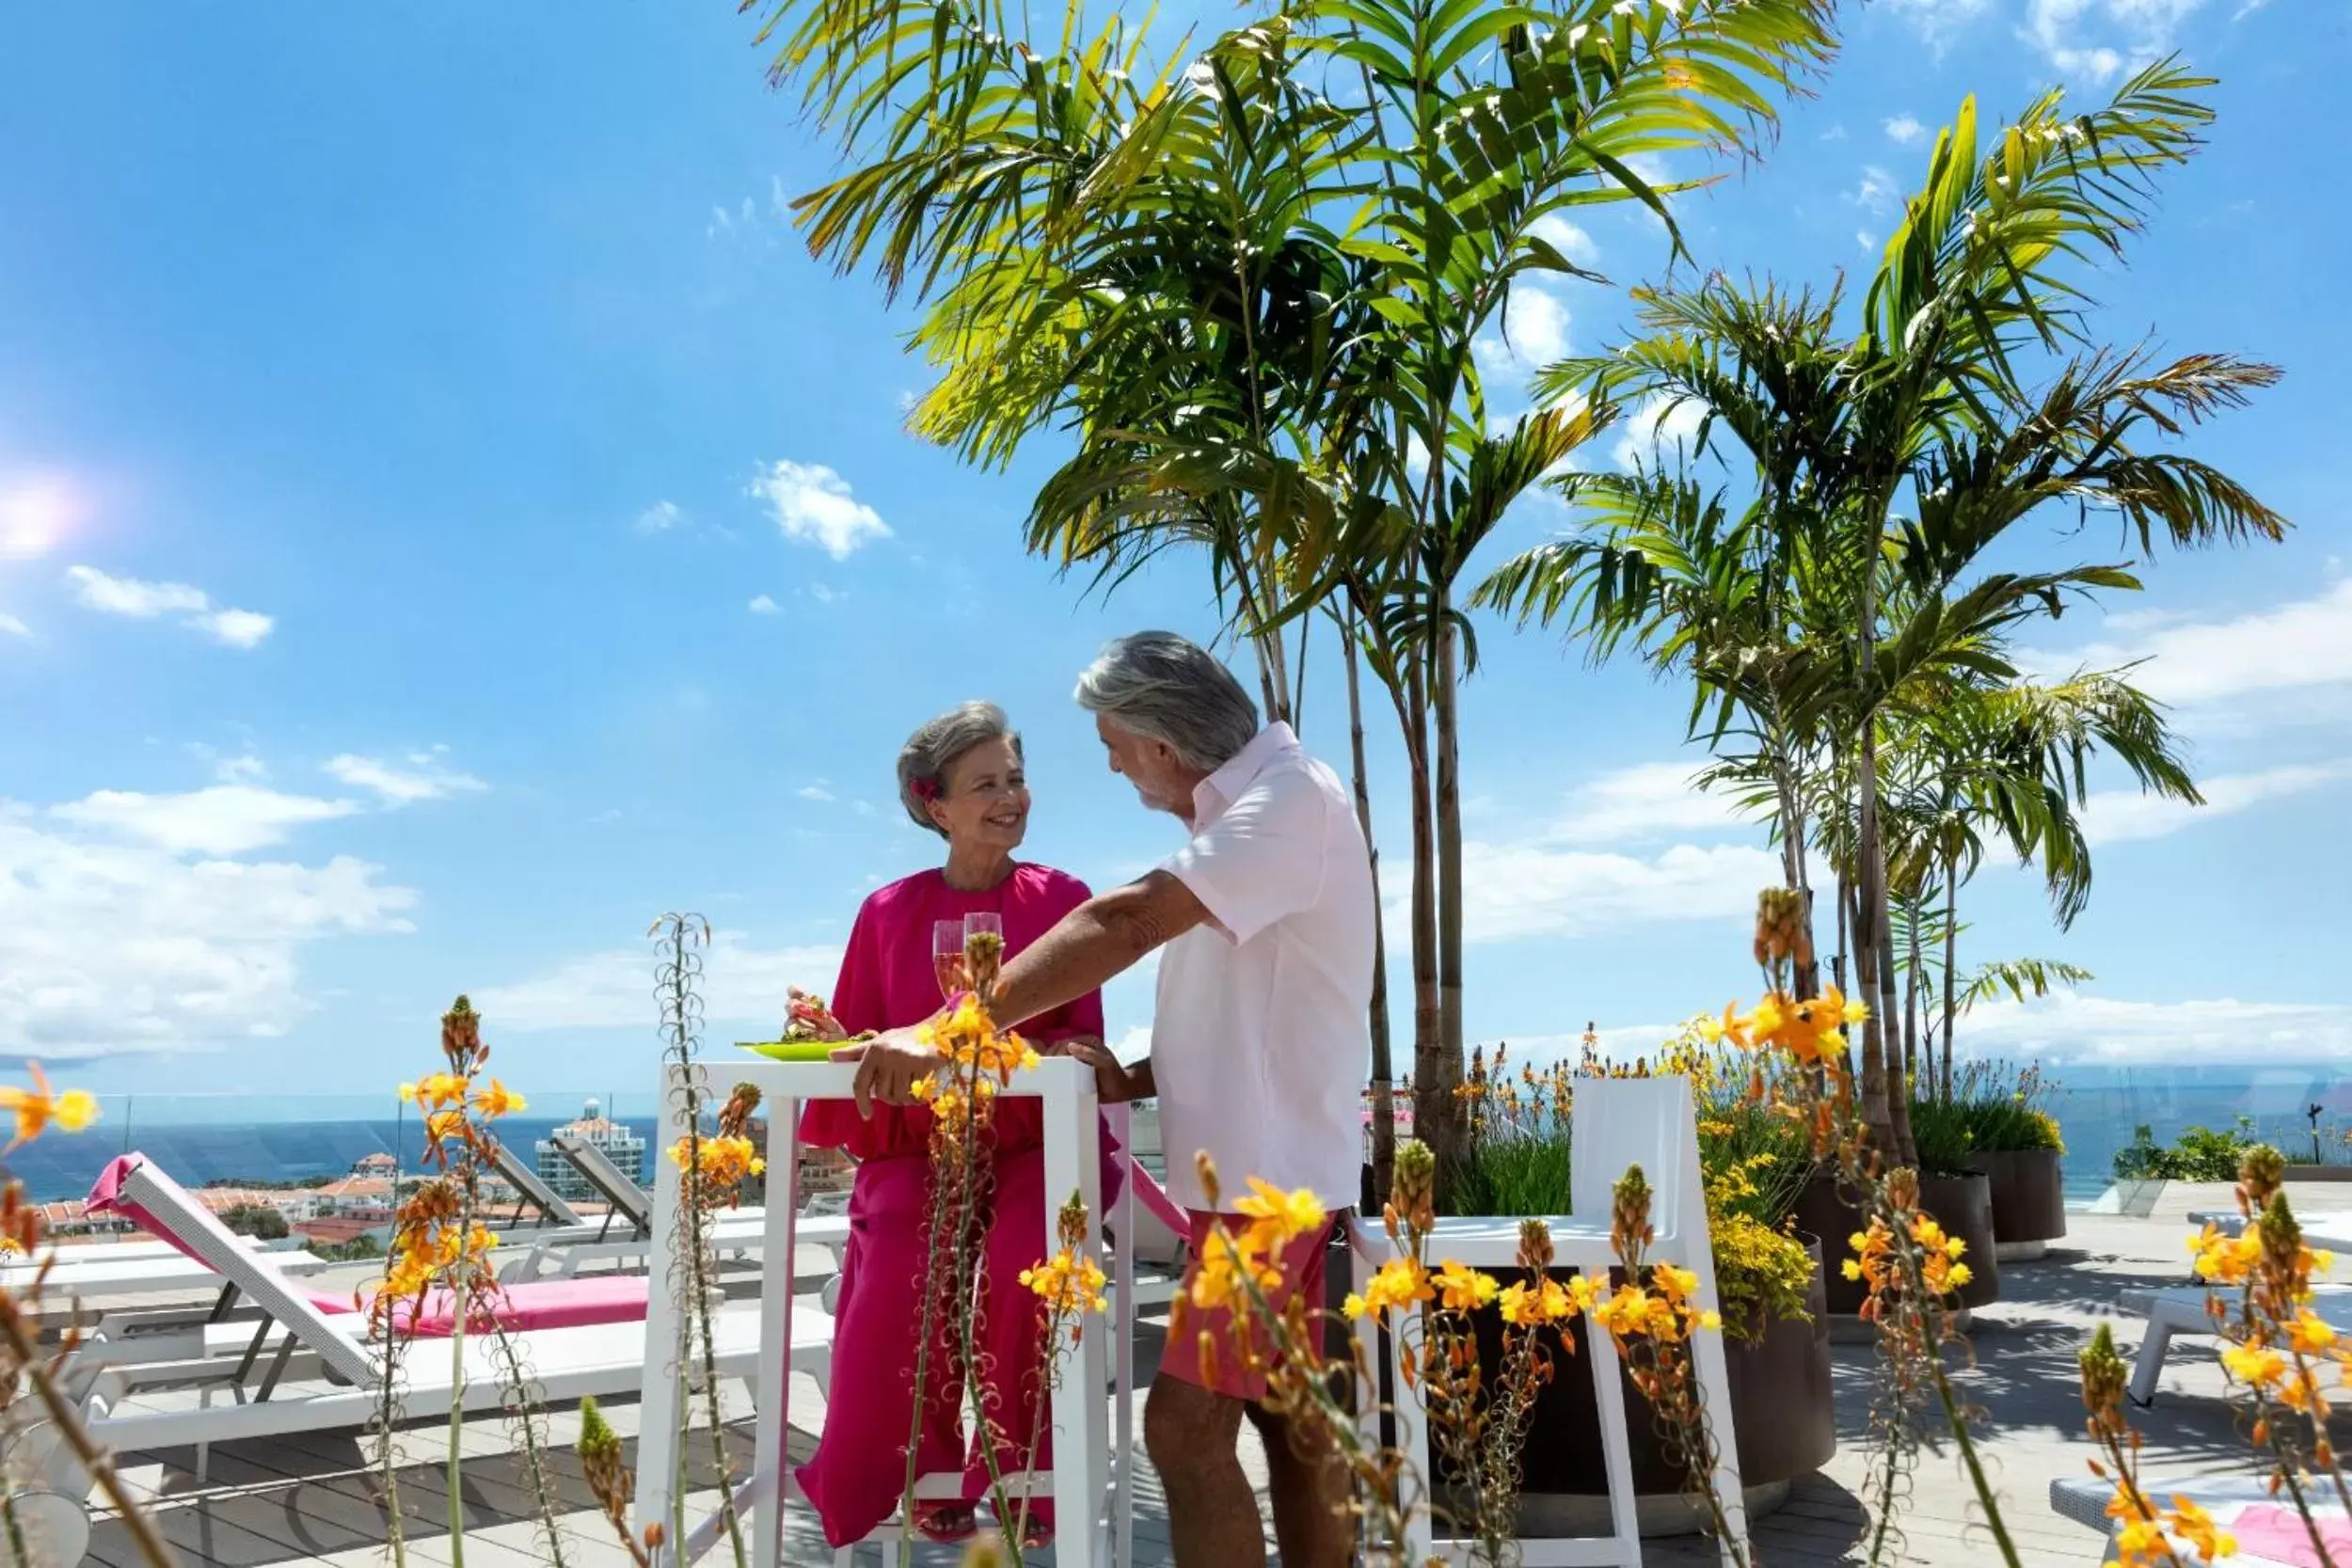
{"x": 532, "y": 1305}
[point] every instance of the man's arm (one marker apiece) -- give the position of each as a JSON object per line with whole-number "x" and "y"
{"x": 1109, "y": 934}
{"x": 1102, "y": 937}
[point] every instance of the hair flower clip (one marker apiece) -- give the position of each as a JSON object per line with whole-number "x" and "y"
{"x": 925, "y": 790}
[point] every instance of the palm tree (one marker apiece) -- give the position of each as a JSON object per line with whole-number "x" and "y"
{"x": 1885, "y": 467}
{"x": 1249, "y": 294}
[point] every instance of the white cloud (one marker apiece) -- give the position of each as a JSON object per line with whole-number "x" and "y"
{"x": 1836, "y": 132}
{"x": 2095, "y": 39}
{"x": 108, "y": 945}
{"x": 144, "y": 601}
{"x": 1877, "y": 193}
{"x": 661, "y": 518}
{"x": 815, "y": 792}
{"x": 1531, "y": 889}
{"x": 1567, "y": 239}
{"x": 814, "y": 506}
{"x": 13, "y": 627}
{"x": 241, "y": 770}
{"x": 239, "y": 628}
{"x": 1646, "y": 802}
{"x": 421, "y": 776}
{"x": 221, "y": 819}
{"x": 1656, "y": 432}
{"x": 762, "y": 605}
{"x": 2294, "y": 646}
{"x": 1905, "y": 128}
{"x": 1533, "y": 332}
{"x": 1938, "y": 21}
{"x": 2117, "y": 816}
{"x": 2072, "y": 1027}
{"x": 742, "y": 986}
{"x": 1864, "y": 239}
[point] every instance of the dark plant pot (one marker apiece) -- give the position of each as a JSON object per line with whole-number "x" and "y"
{"x": 1783, "y": 1409}
{"x": 1962, "y": 1204}
{"x": 2029, "y": 1193}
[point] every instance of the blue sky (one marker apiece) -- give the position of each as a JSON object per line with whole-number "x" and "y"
{"x": 446, "y": 519}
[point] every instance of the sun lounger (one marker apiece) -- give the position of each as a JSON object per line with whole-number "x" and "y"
{"x": 629, "y": 1201}
{"x": 2182, "y": 1309}
{"x": 334, "y": 1382}
{"x": 516, "y": 1173}
{"x": 2242, "y": 1505}
{"x": 145, "y": 1275}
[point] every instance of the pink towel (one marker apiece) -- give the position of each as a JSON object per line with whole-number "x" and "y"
{"x": 2267, "y": 1530}
{"x": 533, "y": 1303}
{"x": 106, "y": 1198}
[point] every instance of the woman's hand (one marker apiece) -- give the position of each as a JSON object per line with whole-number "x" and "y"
{"x": 1114, "y": 1084}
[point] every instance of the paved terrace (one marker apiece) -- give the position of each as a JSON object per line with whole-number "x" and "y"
{"x": 307, "y": 1499}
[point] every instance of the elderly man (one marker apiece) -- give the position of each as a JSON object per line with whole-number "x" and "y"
{"x": 1264, "y": 926}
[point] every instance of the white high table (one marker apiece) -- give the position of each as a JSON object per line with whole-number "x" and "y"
{"x": 1082, "y": 1465}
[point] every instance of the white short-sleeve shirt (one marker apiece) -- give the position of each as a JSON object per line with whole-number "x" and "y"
{"x": 1260, "y": 1042}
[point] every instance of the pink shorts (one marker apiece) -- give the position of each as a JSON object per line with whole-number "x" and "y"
{"x": 1202, "y": 1349}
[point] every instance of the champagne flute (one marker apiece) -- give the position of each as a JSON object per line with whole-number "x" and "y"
{"x": 987, "y": 929}
{"x": 948, "y": 957}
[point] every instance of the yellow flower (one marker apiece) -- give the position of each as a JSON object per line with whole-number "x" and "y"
{"x": 36, "y": 1107}
{"x": 1462, "y": 1289}
{"x": 1546, "y": 1302}
{"x": 2141, "y": 1545}
{"x": 441, "y": 1126}
{"x": 2195, "y": 1527}
{"x": 1397, "y": 1286}
{"x": 2257, "y": 1365}
{"x": 2308, "y": 1334}
{"x": 1280, "y": 1216}
{"x": 435, "y": 1090}
{"x": 496, "y": 1100}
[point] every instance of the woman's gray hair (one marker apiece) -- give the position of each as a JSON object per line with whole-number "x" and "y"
{"x": 1164, "y": 688}
{"x": 929, "y": 751}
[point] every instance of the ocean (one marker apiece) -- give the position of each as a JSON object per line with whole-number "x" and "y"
{"x": 2097, "y": 1107}
{"x": 200, "y": 1153}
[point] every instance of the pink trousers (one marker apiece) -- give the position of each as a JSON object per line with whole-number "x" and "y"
{"x": 858, "y": 1473}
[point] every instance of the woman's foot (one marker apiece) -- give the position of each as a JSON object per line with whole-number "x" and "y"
{"x": 945, "y": 1523}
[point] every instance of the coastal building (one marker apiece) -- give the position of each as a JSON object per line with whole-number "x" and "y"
{"x": 622, "y": 1146}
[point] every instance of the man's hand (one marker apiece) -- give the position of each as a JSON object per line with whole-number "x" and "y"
{"x": 1114, "y": 1084}
{"x": 888, "y": 1066}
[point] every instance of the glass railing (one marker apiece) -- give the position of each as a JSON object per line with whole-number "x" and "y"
{"x": 321, "y": 1142}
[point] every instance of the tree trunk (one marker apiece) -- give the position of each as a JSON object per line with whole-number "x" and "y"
{"x": 1870, "y": 872}
{"x": 1434, "y": 1119}
{"x": 1951, "y": 949}
{"x": 1910, "y": 1005}
{"x": 1382, "y": 1062}
{"x": 1905, "y": 1150}
{"x": 1446, "y": 701}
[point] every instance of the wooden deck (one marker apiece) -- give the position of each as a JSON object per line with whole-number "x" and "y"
{"x": 309, "y": 1499}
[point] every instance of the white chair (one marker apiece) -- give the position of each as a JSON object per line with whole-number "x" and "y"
{"x": 2182, "y": 1309}
{"x": 1091, "y": 1489}
{"x": 1617, "y": 1122}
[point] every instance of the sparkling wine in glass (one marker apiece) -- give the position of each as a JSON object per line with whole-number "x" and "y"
{"x": 948, "y": 957}
{"x": 983, "y": 949}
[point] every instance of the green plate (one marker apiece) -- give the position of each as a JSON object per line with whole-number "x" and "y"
{"x": 790, "y": 1051}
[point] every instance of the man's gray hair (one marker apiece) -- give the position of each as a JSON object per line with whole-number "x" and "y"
{"x": 1164, "y": 688}
{"x": 929, "y": 751}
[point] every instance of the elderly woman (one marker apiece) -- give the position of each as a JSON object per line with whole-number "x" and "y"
{"x": 962, "y": 777}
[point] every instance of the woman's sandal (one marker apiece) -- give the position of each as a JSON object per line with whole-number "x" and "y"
{"x": 945, "y": 1523}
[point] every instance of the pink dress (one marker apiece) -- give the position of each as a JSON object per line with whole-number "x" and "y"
{"x": 857, "y": 1474}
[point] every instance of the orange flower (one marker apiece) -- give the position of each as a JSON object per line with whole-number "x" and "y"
{"x": 36, "y": 1107}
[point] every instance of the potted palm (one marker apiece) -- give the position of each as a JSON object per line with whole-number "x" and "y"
{"x": 1959, "y": 1196}
{"x": 1770, "y": 1280}
{"x": 2017, "y": 1144}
